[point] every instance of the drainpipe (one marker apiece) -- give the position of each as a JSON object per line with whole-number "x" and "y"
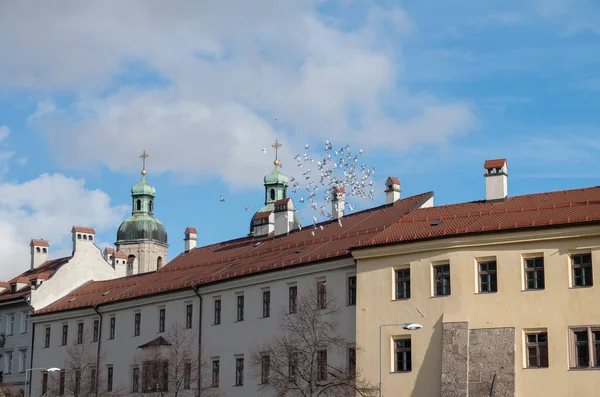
{"x": 195, "y": 288}
{"x": 95, "y": 307}
{"x": 31, "y": 310}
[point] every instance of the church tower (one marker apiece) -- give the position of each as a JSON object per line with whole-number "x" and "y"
{"x": 142, "y": 235}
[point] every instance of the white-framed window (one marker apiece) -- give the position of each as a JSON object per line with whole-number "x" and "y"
{"x": 10, "y": 324}
{"x": 24, "y": 322}
{"x": 584, "y": 349}
{"x": 8, "y": 365}
{"x": 22, "y": 360}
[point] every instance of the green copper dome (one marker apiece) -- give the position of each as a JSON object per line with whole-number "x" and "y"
{"x": 276, "y": 178}
{"x": 142, "y": 225}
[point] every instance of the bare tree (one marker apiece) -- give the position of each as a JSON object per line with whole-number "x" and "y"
{"x": 79, "y": 376}
{"x": 295, "y": 361}
{"x": 170, "y": 366}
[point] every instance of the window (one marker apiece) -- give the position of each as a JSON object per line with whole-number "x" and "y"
{"x": 189, "y": 310}
{"x": 161, "y": 319}
{"x": 93, "y": 378}
{"x": 321, "y": 295}
{"x": 137, "y": 321}
{"x": 352, "y": 290}
{"x": 155, "y": 376}
{"x": 537, "y": 349}
{"x": 321, "y": 365}
{"x": 266, "y": 303}
{"x": 135, "y": 379}
{"x": 217, "y": 311}
{"x": 10, "y": 324}
{"x": 79, "y": 333}
{"x": 215, "y": 373}
{"x": 47, "y": 337}
{"x": 138, "y": 205}
{"x": 585, "y": 351}
{"x": 159, "y": 262}
{"x": 45, "y": 383}
{"x": 109, "y": 378}
{"x": 22, "y": 360}
{"x": 487, "y": 277}
{"x": 96, "y": 329}
{"x": 77, "y": 382}
{"x": 402, "y": 355}
{"x": 151, "y": 206}
{"x": 239, "y": 371}
{"x": 65, "y": 334}
{"x": 441, "y": 277}
{"x": 534, "y": 273}
{"x": 240, "y": 308}
{"x": 352, "y": 361}
{"x": 293, "y": 295}
{"x": 582, "y": 270}
{"x": 24, "y": 322}
{"x": 293, "y": 365}
{"x": 265, "y": 368}
{"x": 272, "y": 194}
{"x": 111, "y": 333}
{"x": 403, "y": 284}
{"x": 187, "y": 375}
{"x": 9, "y": 362}
{"x": 61, "y": 383}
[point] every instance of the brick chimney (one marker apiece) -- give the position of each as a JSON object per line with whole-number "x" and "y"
{"x": 83, "y": 238}
{"x": 190, "y": 239}
{"x": 392, "y": 190}
{"x": 39, "y": 252}
{"x": 496, "y": 180}
{"x": 284, "y": 216}
{"x": 338, "y": 201}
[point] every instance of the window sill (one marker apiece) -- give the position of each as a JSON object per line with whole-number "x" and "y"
{"x": 400, "y": 299}
{"x": 536, "y": 367}
{"x": 582, "y": 287}
{"x": 533, "y": 289}
{"x": 486, "y": 292}
{"x": 576, "y": 369}
{"x": 440, "y": 296}
{"x": 400, "y": 372}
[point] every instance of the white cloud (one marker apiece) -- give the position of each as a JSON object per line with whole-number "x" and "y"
{"x": 47, "y": 207}
{"x": 230, "y": 68}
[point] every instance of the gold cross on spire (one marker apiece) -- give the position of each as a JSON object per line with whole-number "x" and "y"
{"x": 276, "y": 146}
{"x": 143, "y": 156}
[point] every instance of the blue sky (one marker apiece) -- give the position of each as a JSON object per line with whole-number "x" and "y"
{"x": 429, "y": 91}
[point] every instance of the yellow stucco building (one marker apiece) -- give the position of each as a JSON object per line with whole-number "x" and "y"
{"x": 506, "y": 290}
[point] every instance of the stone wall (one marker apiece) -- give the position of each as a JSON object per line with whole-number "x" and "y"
{"x": 455, "y": 364}
{"x": 492, "y": 352}
{"x": 471, "y": 358}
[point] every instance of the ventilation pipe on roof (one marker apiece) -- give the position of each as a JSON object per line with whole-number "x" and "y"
{"x": 338, "y": 202}
{"x": 190, "y": 239}
{"x": 496, "y": 180}
{"x": 392, "y": 190}
{"x": 284, "y": 216}
{"x": 39, "y": 252}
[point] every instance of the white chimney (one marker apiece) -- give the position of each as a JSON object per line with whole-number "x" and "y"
{"x": 109, "y": 254}
{"x": 338, "y": 201}
{"x": 39, "y": 252}
{"x": 392, "y": 190}
{"x": 284, "y": 216}
{"x": 496, "y": 180}
{"x": 83, "y": 238}
{"x": 132, "y": 265}
{"x": 263, "y": 223}
{"x": 190, "y": 238}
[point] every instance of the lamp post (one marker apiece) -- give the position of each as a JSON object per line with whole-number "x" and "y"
{"x": 406, "y": 326}
{"x": 28, "y": 371}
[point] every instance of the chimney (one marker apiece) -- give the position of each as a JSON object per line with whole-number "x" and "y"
{"x": 39, "y": 252}
{"x": 338, "y": 201}
{"x": 496, "y": 180}
{"x": 132, "y": 265}
{"x": 109, "y": 254}
{"x": 190, "y": 238}
{"x": 83, "y": 238}
{"x": 392, "y": 190}
{"x": 284, "y": 216}
{"x": 263, "y": 223}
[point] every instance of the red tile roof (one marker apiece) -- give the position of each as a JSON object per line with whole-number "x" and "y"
{"x": 261, "y": 215}
{"x": 245, "y": 256}
{"x": 191, "y": 230}
{"x": 39, "y": 243}
{"x": 497, "y": 163}
{"x": 282, "y": 201}
{"x": 542, "y": 210}
{"x": 4, "y": 284}
{"x": 44, "y": 271}
{"x": 109, "y": 250}
{"x": 392, "y": 180}
{"x": 120, "y": 255}
{"x": 82, "y": 229}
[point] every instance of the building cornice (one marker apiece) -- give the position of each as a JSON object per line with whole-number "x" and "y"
{"x": 471, "y": 241}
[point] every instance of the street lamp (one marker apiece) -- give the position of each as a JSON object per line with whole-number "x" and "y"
{"x": 28, "y": 370}
{"x": 406, "y": 326}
